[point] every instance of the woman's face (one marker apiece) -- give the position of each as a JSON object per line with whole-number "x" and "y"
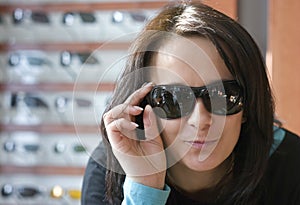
{"x": 200, "y": 141}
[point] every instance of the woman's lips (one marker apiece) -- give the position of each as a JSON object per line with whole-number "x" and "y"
{"x": 199, "y": 144}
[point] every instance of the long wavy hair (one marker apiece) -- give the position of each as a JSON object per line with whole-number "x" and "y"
{"x": 245, "y": 62}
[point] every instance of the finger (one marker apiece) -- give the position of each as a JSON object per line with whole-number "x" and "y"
{"x": 119, "y": 129}
{"x": 153, "y": 145}
{"x": 136, "y": 97}
{"x": 129, "y": 107}
{"x": 121, "y": 111}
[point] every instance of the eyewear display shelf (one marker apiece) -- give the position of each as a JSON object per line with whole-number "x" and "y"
{"x": 41, "y": 33}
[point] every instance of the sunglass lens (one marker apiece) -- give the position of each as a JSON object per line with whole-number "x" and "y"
{"x": 164, "y": 103}
{"x": 40, "y": 17}
{"x": 171, "y": 102}
{"x": 227, "y": 101}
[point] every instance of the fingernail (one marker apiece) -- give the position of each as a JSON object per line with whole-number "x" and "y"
{"x": 147, "y": 119}
{"x": 147, "y": 84}
{"x": 135, "y": 124}
{"x": 138, "y": 108}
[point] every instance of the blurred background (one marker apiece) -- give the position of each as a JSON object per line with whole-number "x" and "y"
{"x": 59, "y": 60}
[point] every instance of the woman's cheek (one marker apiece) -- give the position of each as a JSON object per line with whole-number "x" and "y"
{"x": 170, "y": 130}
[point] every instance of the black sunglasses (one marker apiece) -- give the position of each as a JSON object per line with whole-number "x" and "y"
{"x": 38, "y": 17}
{"x": 176, "y": 101}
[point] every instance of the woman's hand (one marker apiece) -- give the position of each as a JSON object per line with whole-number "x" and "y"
{"x": 142, "y": 160}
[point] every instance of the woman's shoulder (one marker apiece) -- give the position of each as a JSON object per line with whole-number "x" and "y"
{"x": 282, "y": 178}
{"x": 284, "y": 164}
{"x": 286, "y": 157}
{"x": 289, "y": 149}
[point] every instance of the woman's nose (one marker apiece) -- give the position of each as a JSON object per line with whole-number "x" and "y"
{"x": 200, "y": 117}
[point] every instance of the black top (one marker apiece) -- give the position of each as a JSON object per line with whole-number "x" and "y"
{"x": 282, "y": 177}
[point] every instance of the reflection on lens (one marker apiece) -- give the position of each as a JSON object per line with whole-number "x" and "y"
{"x": 65, "y": 58}
{"x": 7, "y": 190}
{"x": 117, "y": 17}
{"x": 57, "y": 192}
{"x": 18, "y": 15}
{"x": 9, "y": 146}
{"x": 79, "y": 148}
{"x": 87, "y": 17}
{"x": 74, "y": 194}
{"x": 40, "y": 17}
{"x": 14, "y": 59}
{"x": 138, "y": 17}
{"x": 59, "y": 147}
{"x": 68, "y": 18}
{"x": 28, "y": 191}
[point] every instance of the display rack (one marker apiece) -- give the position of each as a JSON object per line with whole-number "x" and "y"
{"x": 85, "y": 6}
{"x": 68, "y": 130}
{"x": 23, "y": 172}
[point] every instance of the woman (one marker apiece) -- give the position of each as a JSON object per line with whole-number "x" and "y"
{"x": 201, "y": 132}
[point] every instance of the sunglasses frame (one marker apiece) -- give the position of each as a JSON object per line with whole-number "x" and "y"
{"x": 203, "y": 92}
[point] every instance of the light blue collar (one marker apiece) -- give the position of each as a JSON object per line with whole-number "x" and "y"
{"x": 279, "y": 135}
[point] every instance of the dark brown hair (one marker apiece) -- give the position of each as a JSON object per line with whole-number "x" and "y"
{"x": 243, "y": 59}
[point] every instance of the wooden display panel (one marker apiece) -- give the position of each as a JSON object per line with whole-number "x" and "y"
{"x": 229, "y": 7}
{"x": 15, "y": 87}
{"x": 73, "y": 47}
{"x": 44, "y": 170}
{"x": 50, "y": 128}
{"x": 284, "y": 50}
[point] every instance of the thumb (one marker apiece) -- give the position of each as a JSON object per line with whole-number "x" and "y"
{"x": 153, "y": 145}
{"x": 150, "y": 124}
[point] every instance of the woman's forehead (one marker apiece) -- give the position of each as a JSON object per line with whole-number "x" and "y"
{"x": 190, "y": 60}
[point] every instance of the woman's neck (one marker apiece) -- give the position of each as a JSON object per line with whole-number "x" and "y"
{"x": 191, "y": 182}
